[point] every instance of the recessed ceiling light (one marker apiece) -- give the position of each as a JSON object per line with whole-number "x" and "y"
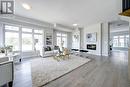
{"x": 75, "y": 24}
{"x": 26, "y": 6}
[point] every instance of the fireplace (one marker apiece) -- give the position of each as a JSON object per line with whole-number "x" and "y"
{"x": 91, "y": 46}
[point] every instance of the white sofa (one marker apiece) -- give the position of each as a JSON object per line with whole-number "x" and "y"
{"x": 6, "y": 71}
{"x": 50, "y": 52}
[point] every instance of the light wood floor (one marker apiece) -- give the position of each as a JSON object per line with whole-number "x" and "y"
{"x": 100, "y": 72}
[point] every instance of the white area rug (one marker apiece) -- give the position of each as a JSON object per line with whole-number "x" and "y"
{"x": 45, "y": 70}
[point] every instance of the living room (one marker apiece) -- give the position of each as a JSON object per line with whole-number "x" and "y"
{"x": 63, "y": 43}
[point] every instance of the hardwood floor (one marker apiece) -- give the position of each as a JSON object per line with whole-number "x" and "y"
{"x": 100, "y": 72}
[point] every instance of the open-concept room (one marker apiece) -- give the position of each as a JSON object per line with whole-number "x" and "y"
{"x": 64, "y": 43}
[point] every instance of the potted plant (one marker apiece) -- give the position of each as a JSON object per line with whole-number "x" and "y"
{"x": 9, "y": 48}
{"x": 2, "y": 50}
{"x": 6, "y": 49}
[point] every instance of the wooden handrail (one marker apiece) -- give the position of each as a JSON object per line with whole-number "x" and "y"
{"x": 125, "y": 13}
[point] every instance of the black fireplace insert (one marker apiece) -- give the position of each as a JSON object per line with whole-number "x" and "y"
{"x": 91, "y": 46}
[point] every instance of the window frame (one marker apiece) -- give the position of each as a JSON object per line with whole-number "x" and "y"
{"x": 20, "y": 32}
{"x": 61, "y": 36}
{"x": 125, "y": 43}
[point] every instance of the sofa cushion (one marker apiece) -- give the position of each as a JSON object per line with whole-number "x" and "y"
{"x": 49, "y": 52}
{"x": 48, "y": 48}
{"x": 56, "y": 47}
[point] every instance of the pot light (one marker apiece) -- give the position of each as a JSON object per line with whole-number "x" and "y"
{"x": 75, "y": 24}
{"x": 26, "y": 6}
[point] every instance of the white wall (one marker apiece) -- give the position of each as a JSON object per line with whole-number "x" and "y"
{"x": 91, "y": 29}
{"x": 129, "y": 55}
{"x": 105, "y": 39}
{"x": 69, "y": 39}
{"x": 129, "y": 63}
{"x": 1, "y": 35}
{"x": 82, "y": 38}
{"x": 125, "y": 18}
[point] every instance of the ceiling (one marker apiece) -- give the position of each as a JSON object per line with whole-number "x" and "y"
{"x": 119, "y": 26}
{"x": 68, "y": 12}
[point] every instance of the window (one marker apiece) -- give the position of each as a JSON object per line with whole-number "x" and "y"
{"x": 12, "y": 38}
{"x": 23, "y": 39}
{"x": 38, "y": 31}
{"x": 26, "y": 30}
{"x": 64, "y": 40}
{"x": 120, "y": 41}
{"x": 12, "y": 28}
{"x": 27, "y": 39}
{"x": 26, "y": 42}
{"x": 127, "y": 41}
{"x": 75, "y": 41}
{"x": 61, "y": 39}
{"x": 115, "y": 41}
{"x": 64, "y": 35}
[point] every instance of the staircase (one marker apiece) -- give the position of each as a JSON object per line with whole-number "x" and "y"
{"x": 125, "y": 8}
{"x": 125, "y": 13}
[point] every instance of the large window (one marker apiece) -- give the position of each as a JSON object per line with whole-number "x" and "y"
{"x": 115, "y": 41}
{"x": 26, "y": 42}
{"x": 26, "y": 30}
{"x": 11, "y": 28}
{"x": 12, "y": 37}
{"x": 61, "y": 39}
{"x": 120, "y": 41}
{"x": 22, "y": 38}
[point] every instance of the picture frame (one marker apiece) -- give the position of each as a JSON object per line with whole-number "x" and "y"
{"x": 91, "y": 37}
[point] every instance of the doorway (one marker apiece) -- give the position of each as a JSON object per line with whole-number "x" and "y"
{"x": 119, "y": 36}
